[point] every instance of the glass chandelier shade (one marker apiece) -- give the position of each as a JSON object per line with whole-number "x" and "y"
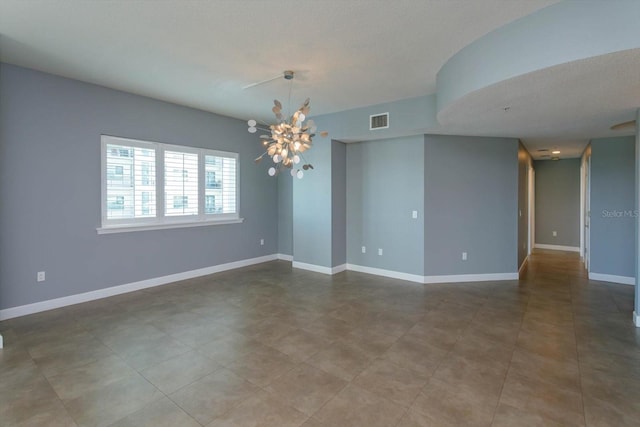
{"x": 286, "y": 140}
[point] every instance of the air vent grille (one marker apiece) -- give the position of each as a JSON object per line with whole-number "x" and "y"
{"x": 379, "y": 121}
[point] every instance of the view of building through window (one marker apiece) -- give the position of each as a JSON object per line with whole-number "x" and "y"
{"x": 194, "y": 182}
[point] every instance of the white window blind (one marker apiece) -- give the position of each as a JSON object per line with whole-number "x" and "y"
{"x": 126, "y": 169}
{"x": 221, "y": 184}
{"x": 148, "y": 183}
{"x": 180, "y": 183}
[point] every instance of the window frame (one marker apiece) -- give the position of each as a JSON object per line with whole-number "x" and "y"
{"x": 160, "y": 220}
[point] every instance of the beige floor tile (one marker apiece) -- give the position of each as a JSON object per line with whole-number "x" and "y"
{"x": 105, "y": 405}
{"x": 155, "y": 353}
{"x": 306, "y": 388}
{"x": 370, "y": 342}
{"x": 548, "y": 400}
{"x": 418, "y": 356}
{"x": 393, "y": 382}
{"x": 564, "y": 374}
{"x": 508, "y": 416}
{"x": 55, "y": 416}
{"x": 160, "y": 413}
{"x": 540, "y": 347}
{"x": 484, "y": 350}
{"x": 179, "y": 371}
{"x": 230, "y": 347}
{"x": 356, "y": 407}
{"x": 214, "y": 395}
{"x": 477, "y": 376}
{"x": 260, "y": 410}
{"x": 442, "y": 404}
{"x": 35, "y": 399}
{"x": 262, "y": 366}
{"x": 76, "y": 382}
{"x": 299, "y": 344}
{"x": 342, "y": 360}
{"x": 426, "y": 333}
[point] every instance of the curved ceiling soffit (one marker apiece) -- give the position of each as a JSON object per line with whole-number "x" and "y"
{"x": 560, "y": 34}
{"x": 578, "y": 100}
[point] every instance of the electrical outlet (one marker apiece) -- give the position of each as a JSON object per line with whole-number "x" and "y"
{"x": 364, "y": 249}
{"x": 464, "y": 256}
{"x": 380, "y": 251}
{"x": 261, "y": 242}
{"x": 555, "y": 234}
{"x": 414, "y": 214}
{"x": 41, "y": 276}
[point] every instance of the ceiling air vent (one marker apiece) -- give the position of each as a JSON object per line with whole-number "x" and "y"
{"x": 379, "y": 121}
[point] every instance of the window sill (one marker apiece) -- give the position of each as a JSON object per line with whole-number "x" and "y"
{"x": 129, "y": 228}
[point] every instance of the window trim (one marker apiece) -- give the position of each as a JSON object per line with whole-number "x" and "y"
{"x": 160, "y": 221}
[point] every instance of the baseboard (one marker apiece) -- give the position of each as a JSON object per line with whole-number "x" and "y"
{"x": 636, "y": 319}
{"x": 490, "y": 277}
{"x": 523, "y": 265}
{"x": 285, "y": 257}
{"x": 51, "y": 304}
{"x": 386, "y": 273}
{"x": 312, "y": 267}
{"x": 434, "y": 279}
{"x": 624, "y": 280}
{"x": 338, "y": 268}
{"x": 557, "y": 247}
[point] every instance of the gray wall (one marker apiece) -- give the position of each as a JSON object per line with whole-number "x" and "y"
{"x": 50, "y": 189}
{"x": 471, "y": 202}
{"x": 384, "y": 185}
{"x": 285, "y": 214}
{"x": 338, "y": 203}
{"x": 312, "y": 212}
{"x": 612, "y": 206}
{"x": 524, "y": 164}
{"x": 558, "y": 202}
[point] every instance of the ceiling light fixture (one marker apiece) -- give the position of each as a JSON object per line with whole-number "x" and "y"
{"x": 286, "y": 140}
{"x": 555, "y": 152}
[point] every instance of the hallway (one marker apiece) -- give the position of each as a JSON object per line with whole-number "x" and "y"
{"x": 269, "y": 345}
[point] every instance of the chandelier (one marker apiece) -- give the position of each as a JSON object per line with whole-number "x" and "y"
{"x": 286, "y": 140}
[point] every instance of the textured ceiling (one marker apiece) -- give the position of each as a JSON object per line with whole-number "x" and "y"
{"x": 346, "y": 54}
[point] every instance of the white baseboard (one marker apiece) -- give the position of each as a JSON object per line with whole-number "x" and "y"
{"x": 285, "y": 257}
{"x": 557, "y": 247}
{"x": 471, "y": 278}
{"x": 37, "y": 307}
{"x": 624, "y": 280}
{"x": 636, "y": 319}
{"x": 433, "y": 279}
{"x": 338, "y": 268}
{"x": 523, "y": 265}
{"x": 311, "y": 267}
{"x": 319, "y": 268}
{"x": 386, "y": 273}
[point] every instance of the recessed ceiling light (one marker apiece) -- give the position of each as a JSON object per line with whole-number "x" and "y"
{"x": 555, "y": 152}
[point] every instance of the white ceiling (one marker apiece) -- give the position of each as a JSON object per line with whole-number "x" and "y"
{"x": 346, "y": 54}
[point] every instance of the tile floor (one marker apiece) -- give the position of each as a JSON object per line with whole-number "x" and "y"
{"x": 268, "y": 346}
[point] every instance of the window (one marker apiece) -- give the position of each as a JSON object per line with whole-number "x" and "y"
{"x": 209, "y": 204}
{"x": 152, "y": 185}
